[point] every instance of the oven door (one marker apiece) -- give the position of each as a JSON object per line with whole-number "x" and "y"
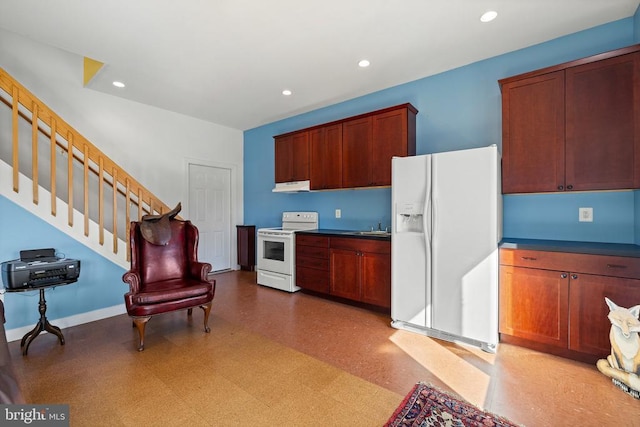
{"x": 275, "y": 252}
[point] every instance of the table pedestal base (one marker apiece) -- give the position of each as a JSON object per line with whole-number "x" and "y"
{"x": 43, "y": 325}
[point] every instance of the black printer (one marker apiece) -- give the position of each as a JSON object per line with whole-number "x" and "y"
{"x": 39, "y": 267}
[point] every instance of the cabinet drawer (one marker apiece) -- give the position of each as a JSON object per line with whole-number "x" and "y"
{"x": 311, "y": 262}
{"x": 307, "y": 240}
{"x": 604, "y": 265}
{"x": 312, "y": 279}
{"x": 312, "y": 252}
{"x": 363, "y": 245}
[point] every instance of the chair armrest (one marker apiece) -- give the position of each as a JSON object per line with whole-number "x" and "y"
{"x": 201, "y": 270}
{"x": 133, "y": 279}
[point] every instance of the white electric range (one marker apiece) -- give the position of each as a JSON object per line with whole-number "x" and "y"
{"x": 277, "y": 253}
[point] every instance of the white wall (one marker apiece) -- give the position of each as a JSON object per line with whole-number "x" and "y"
{"x": 149, "y": 143}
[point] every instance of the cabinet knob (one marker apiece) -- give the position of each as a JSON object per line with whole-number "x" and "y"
{"x": 560, "y": 187}
{"x": 574, "y": 276}
{"x": 569, "y": 187}
{"x": 563, "y": 276}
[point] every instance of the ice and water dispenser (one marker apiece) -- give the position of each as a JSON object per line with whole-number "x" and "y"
{"x": 409, "y": 217}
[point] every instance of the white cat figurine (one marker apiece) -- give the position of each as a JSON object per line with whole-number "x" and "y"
{"x": 623, "y": 364}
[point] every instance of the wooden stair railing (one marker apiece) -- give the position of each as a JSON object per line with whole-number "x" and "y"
{"x": 94, "y": 163}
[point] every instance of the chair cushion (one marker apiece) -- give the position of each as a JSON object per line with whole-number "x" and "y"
{"x": 170, "y": 290}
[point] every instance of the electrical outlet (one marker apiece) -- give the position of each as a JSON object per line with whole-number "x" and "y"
{"x": 338, "y": 213}
{"x": 585, "y": 214}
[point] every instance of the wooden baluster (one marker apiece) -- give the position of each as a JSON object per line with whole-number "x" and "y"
{"x": 101, "y": 199}
{"x": 127, "y": 217}
{"x": 115, "y": 210}
{"x": 70, "y": 177}
{"x": 54, "y": 145}
{"x": 86, "y": 189}
{"x": 34, "y": 151}
{"x": 139, "y": 204}
{"x": 14, "y": 121}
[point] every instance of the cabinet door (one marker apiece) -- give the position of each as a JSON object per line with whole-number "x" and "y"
{"x": 603, "y": 124}
{"x": 326, "y": 157}
{"x": 345, "y": 273}
{"x": 300, "y": 157}
{"x": 292, "y": 157}
{"x": 356, "y": 152}
{"x": 533, "y": 126}
{"x": 376, "y": 279}
{"x": 534, "y": 305}
{"x": 590, "y": 326}
{"x": 390, "y": 137}
{"x": 283, "y": 158}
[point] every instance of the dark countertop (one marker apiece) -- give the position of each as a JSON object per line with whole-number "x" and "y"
{"x": 345, "y": 233}
{"x": 595, "y": 248}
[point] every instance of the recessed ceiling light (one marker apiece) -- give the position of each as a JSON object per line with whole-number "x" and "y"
{"x": 286, "y": 92}
{"x": 118, "y": 84}
{"x": 364, "y": 63}
{"x": 489, "y": 16}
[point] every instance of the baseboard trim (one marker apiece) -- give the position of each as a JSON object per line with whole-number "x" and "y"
{"x": 66, "y": 322}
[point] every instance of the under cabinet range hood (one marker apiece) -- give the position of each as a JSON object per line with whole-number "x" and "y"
{"x": 292, "y": 187}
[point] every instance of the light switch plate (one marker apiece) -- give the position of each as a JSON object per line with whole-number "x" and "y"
{"x": 338, "y": 213}
{"x": 585, "y": 214}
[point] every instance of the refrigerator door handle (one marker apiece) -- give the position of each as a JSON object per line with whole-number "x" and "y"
{"x": 426, "y": 217}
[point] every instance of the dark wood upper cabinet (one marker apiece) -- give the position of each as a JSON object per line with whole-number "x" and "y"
{"x": 348, "y": 153}
{"x": 356, "y": 153}
{"x": 292, "y": 157}
{"x": 573, "y": 126}
{"x": 393, "y": 135}
{"x": 533, "y": 134}
{"x": 603, "y": 124}
{"x": 326, "y": 157}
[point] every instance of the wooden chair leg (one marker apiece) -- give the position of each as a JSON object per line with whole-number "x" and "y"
{"x": 140, "y": 323}
{"x": 207, "y": 309}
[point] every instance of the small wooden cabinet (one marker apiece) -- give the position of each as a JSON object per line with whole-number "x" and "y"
{"x": 349, "y": 153}
{"x": 312, "y": 262}
{"x": 246, "y": 235}
{"x": 554, "y": 301}
{"x": 574, "y": 126}
{"x": 361, "y": 270}
{"x": 292, "y": 157}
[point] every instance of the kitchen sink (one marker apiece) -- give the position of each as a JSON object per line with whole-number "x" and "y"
{"x": 380, "y": 233}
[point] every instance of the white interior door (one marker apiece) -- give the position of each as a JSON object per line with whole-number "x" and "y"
{"x": 210, "y": 211}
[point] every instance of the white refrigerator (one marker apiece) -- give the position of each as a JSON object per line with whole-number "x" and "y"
{"x": 446, "y": 226}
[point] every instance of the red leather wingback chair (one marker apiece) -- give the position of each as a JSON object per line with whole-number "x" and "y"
{"x": 165, "y": 278}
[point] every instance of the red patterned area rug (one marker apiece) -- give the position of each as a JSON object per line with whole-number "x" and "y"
{"x": 426, "y": 406}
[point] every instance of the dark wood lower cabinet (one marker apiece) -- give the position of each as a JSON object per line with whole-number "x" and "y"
{"x": 352, "y": 268}
{"x": 534, "y": 305}
{"x": 588, "y": 310}
{"x": 563, "y": 312}
{"x": 312, "y": 262}
{"x": 345, "y": 273}
{"x": 361, "y": 270}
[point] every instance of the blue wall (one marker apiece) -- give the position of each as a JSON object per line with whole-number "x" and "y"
{"x": 458, "y": 109}
{"x": 100, "y": 284}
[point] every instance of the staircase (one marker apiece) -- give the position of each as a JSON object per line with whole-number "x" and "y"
{"x": 51, "y": 170}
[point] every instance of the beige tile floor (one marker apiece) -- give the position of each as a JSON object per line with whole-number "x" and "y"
{"x": 274, "y": 358}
